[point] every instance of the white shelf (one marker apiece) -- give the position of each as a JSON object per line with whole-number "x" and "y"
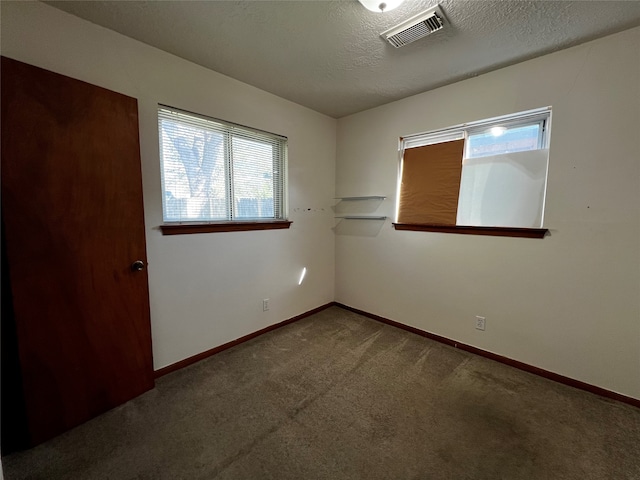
{"x": 368, "y": 197}
{"x": 361, "y": 217}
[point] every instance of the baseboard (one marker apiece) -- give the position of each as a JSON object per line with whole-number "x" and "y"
{"x": 499, "y": 358}
{"x": 201, "y": 356}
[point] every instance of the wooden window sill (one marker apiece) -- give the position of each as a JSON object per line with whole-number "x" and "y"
{"x": 466, "y": 230}
{"x": 186, "y": 228}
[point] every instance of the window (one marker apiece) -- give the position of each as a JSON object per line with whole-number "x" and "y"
{"x": 486, "y": 177}
{"x": 216, "y": 172}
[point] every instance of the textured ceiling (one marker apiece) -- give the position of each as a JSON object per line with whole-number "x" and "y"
{"x": 328, "y": 55}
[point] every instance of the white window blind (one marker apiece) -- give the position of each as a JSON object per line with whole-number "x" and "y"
{"x": 506, "y": 190}
{"x": 214, "y": 170}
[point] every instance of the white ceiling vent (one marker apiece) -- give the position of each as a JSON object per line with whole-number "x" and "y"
{"x": 415, "y": 28}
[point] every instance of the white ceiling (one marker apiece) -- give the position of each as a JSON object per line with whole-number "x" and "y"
{"x": 328, "y": 55}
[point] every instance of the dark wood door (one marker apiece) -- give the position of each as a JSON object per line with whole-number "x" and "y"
{"x": 73, "y": 217}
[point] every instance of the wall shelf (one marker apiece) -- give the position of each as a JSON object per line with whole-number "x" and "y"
{"x": 363, "y": 208}
{"x": 361, "y": 217}
{"x": 367, "y": 197}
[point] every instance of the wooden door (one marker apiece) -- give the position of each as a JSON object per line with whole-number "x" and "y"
{"x": 73, "y": 217}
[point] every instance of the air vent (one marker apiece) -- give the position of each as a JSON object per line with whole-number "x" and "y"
{"x": 415, "y": 28}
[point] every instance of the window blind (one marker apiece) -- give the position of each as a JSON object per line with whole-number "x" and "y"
{"x": 430, "y": 183}
{"x": 213, "y": 170}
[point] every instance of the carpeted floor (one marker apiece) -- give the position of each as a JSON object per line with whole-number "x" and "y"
{"x": 339, "y": 396}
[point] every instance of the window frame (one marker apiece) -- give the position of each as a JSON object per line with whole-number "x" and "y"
{"x": 541, "y": 119}
{"x": 542, "y": 116}
{"x": 229, "y": 131}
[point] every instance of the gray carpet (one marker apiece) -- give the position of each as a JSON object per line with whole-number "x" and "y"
{"x": 339, "y": 396}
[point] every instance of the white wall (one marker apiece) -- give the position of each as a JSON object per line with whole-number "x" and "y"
{"x": 205, "y": 289}
{"x": 569, "y": 303}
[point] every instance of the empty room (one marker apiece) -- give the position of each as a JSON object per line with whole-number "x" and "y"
{"x": 342, "y": 239}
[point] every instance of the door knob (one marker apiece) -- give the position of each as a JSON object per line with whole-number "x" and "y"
{"x": 137, "y": 265}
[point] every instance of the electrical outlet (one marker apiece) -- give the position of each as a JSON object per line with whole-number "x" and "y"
{"x": 265, "y": 304}
{"x": 480, "y": 323}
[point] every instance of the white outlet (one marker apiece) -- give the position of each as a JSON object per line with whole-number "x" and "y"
{"x": 480, "y": 323}
{"x": 265, "y": 304}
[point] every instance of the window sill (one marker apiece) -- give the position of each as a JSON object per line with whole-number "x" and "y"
{"x": 235, "y": 226}
{"x": 466, "y": 230}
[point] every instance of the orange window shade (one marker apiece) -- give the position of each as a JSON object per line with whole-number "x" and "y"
{"x": 430, "y": 183}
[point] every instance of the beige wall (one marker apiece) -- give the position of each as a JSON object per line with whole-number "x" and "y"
{"x": 205, "y": 289}
{"x": 569, "y": 303}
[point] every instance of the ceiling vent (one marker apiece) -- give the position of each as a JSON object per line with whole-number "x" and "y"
{"x": 415, "y": 28}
